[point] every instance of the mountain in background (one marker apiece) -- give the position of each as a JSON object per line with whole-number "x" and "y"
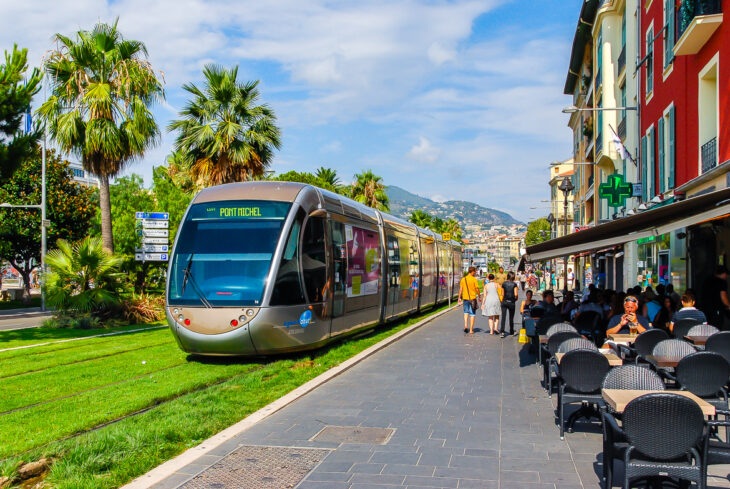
{"x": 402, "y": 203}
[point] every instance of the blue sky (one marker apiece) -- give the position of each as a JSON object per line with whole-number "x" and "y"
{"x": 450, "y": 100}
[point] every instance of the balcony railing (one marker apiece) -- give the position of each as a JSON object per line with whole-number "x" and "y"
{"x": 621, "y": 129}
{"x": 709, "y": 155}
{"x": 689, "y": 9}
{"x": 622, "y": 60}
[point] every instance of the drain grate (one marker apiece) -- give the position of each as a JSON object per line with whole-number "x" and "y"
{"x": 354, "y": 434}
{"x": 258, "y": 467}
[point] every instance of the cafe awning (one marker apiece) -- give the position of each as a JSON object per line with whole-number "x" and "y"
{"x": 654, "y": 222}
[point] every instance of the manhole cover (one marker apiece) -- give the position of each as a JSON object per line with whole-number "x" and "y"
{"x": 258, "y": 467}
{"x": 354, "y": 434}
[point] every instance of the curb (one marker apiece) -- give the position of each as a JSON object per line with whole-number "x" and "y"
{"x": 166, "y": 469}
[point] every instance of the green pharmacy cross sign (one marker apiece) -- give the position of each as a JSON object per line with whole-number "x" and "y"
{"x": 616, "y": 190}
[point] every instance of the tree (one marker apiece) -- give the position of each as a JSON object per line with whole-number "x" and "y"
{"x": 420, "y": 218}
{"x": 101, "y": 89}
{"x": 178, "y": 171}
{"x": 368, "y": 189}
{"x": 70, "y": 209}
{"x": 83, "y": 277}
{"x": 225, "y": 135}
{"x": 453, "y": 227}
{"x": 16, "y": 92}
{"x": 537, "y": 231}
{"x": 308, "y": 178}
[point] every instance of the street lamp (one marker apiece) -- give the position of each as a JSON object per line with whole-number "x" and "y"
{"x": 566, "y": 186}
{"x": 550, "y": 219}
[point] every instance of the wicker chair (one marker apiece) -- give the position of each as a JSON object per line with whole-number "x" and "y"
{"x": 663, "y": 431}
{"x": 627, "y": 377}
{"x": 581, "y": 373}
{"x": 550, "y": 365}
{"x": 560, "y": 327}
{"x": 682, "y": 326}
{"x": 717, "y": 451}
{"x": 644, "y": 343}
{"x": 575, "y": 344}
{"x": 588, "y": 323}
{"x": 719, "y": 343}
{"x": 702, "y": 330}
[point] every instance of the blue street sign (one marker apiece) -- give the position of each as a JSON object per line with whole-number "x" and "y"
{"x": 152, "y": 215}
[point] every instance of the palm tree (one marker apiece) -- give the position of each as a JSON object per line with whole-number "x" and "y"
{"x": 227, "y": 137}
{"x": 101, "y": 88}
{"x": 84, "y": 277}
{"x": 178, "y": 169}
{"x": 368, "y": 189}
{"x": 420, "y": 218}
{"x": 453, "y": 227}
{"x": 328, "y": 175}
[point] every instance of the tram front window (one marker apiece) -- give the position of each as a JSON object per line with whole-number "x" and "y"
{"x": 225, "y": 251}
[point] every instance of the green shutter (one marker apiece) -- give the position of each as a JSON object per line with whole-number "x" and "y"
{"x": 671, "y": 157}
{"x": 671, "y": 29}
{"x": 651, "y": 159}
{"x": 660, "y": 154}
{"x": 644, "y": 165}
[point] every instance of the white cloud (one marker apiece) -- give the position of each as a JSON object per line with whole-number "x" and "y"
{"x": 332, "y": 147}
{"x": 424, "y": 151}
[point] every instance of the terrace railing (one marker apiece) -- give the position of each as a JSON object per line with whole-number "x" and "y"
{"x": 689, "y": 9}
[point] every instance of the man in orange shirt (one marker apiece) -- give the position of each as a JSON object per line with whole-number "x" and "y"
{"x": 469, "y": 296}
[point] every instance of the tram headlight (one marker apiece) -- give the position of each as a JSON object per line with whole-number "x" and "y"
{"x": 243, "y": 319}
{"x": 250, "y": 312}
{"x": 180, "y": 318}
{"x": 176, "y": 311}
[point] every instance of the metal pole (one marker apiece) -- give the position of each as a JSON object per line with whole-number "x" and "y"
{"x": 43, "y": 216}
{"x": 565, "y": 233}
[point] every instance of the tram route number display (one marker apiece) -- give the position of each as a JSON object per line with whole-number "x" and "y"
{"x": 363, "y": 271}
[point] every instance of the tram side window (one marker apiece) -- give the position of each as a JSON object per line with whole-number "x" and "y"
{"x": 314, "y": 260}
{"x": 288, "y": 288}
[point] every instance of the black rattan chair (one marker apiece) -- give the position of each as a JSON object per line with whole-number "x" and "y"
{"x": 587, "y": 323}
{"x": 576, "y": 344}
{"x": 682, "y": 326}
{"x": 644, "y": 343}
{"x": 560, "y": 327}
{"x": 625, "y": 377}
{"x": 717, "y": 451}
{"x": 719, "y": 343}
{"x": 550, "y": 364}
{"x": 670, "y": 348}
{"x": 581, "y": 375}
{"x": 663, "y": 431}
{"x": 702, "y": 330}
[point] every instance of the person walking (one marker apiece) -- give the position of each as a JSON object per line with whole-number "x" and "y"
{"x": 500, "y": 276}
{"x": 523, "y": 279}
{"x": 468, "y": 296}
{"x": 571, "y": 279}
{"x": 491, "y": 305}
{"x": 509, "y": 299}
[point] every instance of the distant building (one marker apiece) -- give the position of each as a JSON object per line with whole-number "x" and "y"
{"x": 82, "y": 176}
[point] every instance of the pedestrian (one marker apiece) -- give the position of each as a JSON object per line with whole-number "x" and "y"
{"x": 523, "y": 279}
{"x": 468, "y": 296}
{"x": 508, "y": 303}
{"x": 532, "y": 281}
{"x": 714, "y": 298}
{"x": 491, "y": 305}
{"x": 500, "y": 276}
{"x": 571, "y": 279}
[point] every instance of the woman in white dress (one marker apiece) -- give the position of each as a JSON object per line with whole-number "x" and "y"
{"x": 491, "y": 305}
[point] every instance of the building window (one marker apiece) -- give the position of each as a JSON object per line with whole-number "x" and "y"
{"x": 707, "y": 120}
{"x": 599, "y": 126}
{"x": 649, "y": 61}
{"x": 77, "y": 172}
{"x": 599, "y": 60}
{"x": 669, "y": 16}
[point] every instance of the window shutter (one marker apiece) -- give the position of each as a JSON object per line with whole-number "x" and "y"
{"x": 671, "y": 157}
{"x": 651, "y": 158}
{"x": 671, "y": 29}
{"x": 660, "y": 153}
{"x": 644, "y": 173}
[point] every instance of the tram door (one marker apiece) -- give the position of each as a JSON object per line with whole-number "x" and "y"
{"x": 339, "y": 255}
{"x": 394, "y": 276}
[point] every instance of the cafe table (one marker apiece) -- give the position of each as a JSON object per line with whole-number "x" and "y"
{"x": 613, "y": 359}
{"x": 623, "y": 339}
{"x": 619, "y": 398}
{"x": 697, "y": 340}
{"x": 663, "y": 360}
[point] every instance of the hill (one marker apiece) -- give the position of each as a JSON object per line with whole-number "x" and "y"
{"x": 402, "y": 203}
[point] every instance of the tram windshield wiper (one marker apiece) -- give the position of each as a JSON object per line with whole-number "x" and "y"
{"x": 188, "y": 275}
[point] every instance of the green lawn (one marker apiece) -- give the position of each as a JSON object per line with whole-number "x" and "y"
{"x": 58, "y": 398}
{"x": 32, "y": 336}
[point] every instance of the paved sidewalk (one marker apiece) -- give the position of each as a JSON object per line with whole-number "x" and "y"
{"x": 451, "y": 410}
{"x": 32, "y": 317}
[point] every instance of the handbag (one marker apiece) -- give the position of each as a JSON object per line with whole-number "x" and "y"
{"x": 474, "y": 305}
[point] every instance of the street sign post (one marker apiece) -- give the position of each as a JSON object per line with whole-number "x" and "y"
{"x": 153, "y": 236}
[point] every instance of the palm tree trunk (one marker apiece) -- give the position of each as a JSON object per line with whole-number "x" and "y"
{"x": 107, "y": 238}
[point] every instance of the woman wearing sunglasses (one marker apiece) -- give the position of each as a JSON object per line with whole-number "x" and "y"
{"x": 629, "y": 321}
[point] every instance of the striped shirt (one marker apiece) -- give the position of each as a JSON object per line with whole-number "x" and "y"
{"x": 690, "y": 313}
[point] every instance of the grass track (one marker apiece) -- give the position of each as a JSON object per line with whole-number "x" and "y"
{"x": 31, "y": 336}
{"x": 196, "y": 400}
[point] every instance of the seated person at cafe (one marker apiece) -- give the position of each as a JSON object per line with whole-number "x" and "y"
{"x": 688, "y": 311}
{"x": 622, "y": 323}
{"x": 548, "y": 303}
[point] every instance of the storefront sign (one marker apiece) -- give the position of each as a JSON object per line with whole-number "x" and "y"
{"x": 615, "y": 190}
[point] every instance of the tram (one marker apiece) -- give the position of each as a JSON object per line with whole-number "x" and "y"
{"x": 260, "y": 268}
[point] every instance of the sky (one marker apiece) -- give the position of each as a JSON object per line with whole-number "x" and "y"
{"x": 447, "y": 99}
